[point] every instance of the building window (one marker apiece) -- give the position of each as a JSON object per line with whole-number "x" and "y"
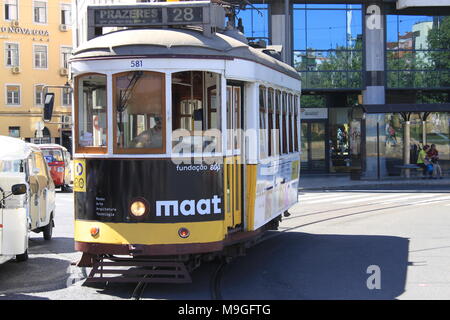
{"x": 13, "y": 95}
{"x": 328, "y": 46}
{"x": 417, "y": 51}
{"x": 255, "y": 21}
{"x": 40, "y": 57}
{"x": 66, "y": 97}
{"x": 66, "y": 14}
{"x": 11, "y": 10}
{"x": 65, "y": 55}
{"x": 14, "y": 132}
{"x": 39, "y": 95}
{"x": 11, "y": 54}
{"x": 40, "y": 11}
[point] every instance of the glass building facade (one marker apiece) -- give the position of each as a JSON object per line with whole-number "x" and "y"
{"x": 328, "y": 45}
{"x": 418, "y": 52}
{"x": 332, "y": 46}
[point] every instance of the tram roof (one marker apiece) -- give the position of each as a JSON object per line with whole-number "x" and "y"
{"x": 173, "y": 42}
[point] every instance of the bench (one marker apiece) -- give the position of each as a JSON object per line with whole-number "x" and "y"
{"x": 406, "y": 169}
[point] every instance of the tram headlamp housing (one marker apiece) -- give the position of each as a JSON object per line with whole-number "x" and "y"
{"x": 139, "y": 207}
{"x": 95, "y": 231}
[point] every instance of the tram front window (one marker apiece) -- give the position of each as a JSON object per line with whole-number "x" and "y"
{"x": 139, "y": 111}
{"x": 91, "y": 112}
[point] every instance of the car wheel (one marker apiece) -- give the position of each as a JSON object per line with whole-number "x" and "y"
{"x": 48, "y": 229}
{"x": 22, "y": 257}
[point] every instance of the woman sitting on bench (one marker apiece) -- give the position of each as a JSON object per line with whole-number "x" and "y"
{"x": 424, "y": 162}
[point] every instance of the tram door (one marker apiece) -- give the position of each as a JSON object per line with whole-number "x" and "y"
{"x": 233, "y": 164}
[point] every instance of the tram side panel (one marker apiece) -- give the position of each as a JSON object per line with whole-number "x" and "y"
{"x": 275, "y": 189}
{"x": 177, "y": 196}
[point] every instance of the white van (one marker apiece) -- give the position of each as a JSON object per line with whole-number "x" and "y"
{"x": 27, "y": 197}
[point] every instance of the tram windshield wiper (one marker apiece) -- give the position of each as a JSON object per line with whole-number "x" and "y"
{"x": 125, "y": 94}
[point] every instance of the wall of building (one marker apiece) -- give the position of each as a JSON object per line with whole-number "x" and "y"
{"x": 19, "y": 27}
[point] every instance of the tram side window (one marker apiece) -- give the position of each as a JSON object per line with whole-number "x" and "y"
{"x": 139, "y": 112}
{"x": 290, "y": 124}
{"x": 284, "y": 124}
{"x": 196, "y": 112}
{"x": 296, "y": 119}
{"x": 270, "y": 107}
{"x": 277, "y": 132}
{"x": 91, "y": 111}
{"x": 262, "y": 123}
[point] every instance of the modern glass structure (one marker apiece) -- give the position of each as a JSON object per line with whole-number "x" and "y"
{"x": 373, "y": 74}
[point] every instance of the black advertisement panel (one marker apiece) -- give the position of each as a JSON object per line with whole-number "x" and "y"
{"x": 169, "y": 192}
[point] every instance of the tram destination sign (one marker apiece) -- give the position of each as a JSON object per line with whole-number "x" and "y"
{"x": 127, "y": 16}
{"x": 154, "y": 14}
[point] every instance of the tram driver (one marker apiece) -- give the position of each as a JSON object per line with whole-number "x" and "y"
{"x": 150, "y": 138}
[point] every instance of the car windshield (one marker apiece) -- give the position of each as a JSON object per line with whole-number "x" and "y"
{"x": 11, "y": 166}
{"x": 52, "y": 155}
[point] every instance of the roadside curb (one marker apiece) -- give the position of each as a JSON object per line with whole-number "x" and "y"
{"x": 380, "y": 185}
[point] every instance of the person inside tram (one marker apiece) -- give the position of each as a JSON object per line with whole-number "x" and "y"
{"x": 86, "y": 138}
{"x": 150, "y": 138}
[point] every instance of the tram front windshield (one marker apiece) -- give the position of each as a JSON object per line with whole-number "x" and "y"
{"x": 139, "y": 105}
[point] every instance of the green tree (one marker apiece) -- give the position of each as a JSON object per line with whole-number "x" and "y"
{"x": 337, "y": 68}
{"x": 439, "y": 45}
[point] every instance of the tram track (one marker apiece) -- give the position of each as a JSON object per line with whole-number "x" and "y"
{"x": 339, "y": 216}
{"x": 140, "y": 289}
{"x": 214, "y": 286}
{"x": 215, "y": 283}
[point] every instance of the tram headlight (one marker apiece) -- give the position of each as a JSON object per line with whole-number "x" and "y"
{"x": 138, "y": 207}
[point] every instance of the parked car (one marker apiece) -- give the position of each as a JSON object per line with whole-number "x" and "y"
{"x": 27, "y": 197}
{"x": 58, "y": 160}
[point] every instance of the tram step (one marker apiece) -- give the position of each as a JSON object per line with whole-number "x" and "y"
{"x": 139, "y": 270}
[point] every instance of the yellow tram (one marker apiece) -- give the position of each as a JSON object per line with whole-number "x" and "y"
{"x": 186, "y": 140}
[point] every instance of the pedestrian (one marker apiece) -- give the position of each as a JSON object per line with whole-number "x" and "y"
{"x": 433, "y": 155}
{"x": 424, "y": 162}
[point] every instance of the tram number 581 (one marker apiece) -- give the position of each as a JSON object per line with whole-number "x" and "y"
{"x": 136, "y": 64}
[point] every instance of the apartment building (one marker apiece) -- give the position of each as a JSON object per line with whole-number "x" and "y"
{"x": 35, "y": 45}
